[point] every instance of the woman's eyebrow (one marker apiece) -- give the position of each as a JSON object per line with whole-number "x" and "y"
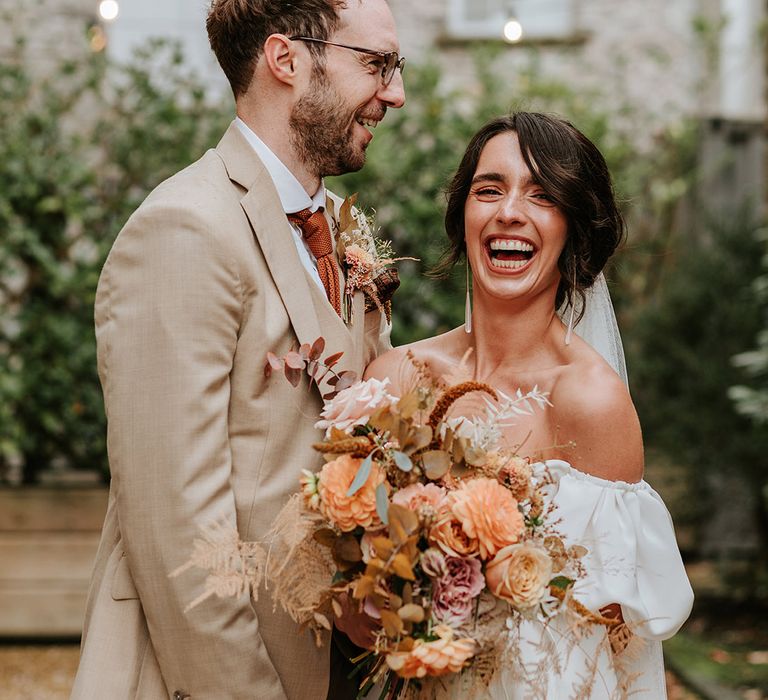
{"x": 498, "y": 177}
{"x": 488, "y": 177}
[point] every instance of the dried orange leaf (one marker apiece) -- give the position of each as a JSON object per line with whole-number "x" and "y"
{"x": 402, "y": 567}
{"x": 408, "y": 404}
{"x": 364, "y": 586}
{"x": 406, "y": 644}
{"x": 392, "y": 623}
{"x": 436, "y": 463}
{"x": 407, "y": 519}
{"x": 418, "y": 439}
{"x": 383, "y": 546}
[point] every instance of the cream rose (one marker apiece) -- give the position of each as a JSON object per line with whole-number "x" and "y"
{"x": 520, "y": 574}
{"x": 354, "y": 405}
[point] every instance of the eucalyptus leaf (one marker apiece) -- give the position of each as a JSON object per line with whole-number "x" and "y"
{"x": 403, "y": 461}
{"x": 382, "y": 503}
{"x": 362, "y": 476}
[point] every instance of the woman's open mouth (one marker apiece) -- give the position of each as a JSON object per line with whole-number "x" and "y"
{"x": 510, "y": 253}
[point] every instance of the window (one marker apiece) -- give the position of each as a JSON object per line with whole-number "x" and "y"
{"x": 486, "y": 19}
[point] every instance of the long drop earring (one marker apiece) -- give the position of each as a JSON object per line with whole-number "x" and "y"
{"x": 569, "y": 330}
{"x": 468, "y": 305}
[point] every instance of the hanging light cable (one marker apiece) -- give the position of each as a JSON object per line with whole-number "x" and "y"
{"x": 513, "y": 30}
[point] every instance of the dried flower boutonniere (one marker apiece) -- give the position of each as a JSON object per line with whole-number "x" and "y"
{"x": 365, "y": 258}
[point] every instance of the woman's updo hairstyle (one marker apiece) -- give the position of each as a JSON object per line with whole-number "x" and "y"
{"x": 571, "y": 170}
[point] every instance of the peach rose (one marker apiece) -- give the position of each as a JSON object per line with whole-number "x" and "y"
{"x": 520, "y": 574}
{"x": 354, "y": 405}
{"x": 488, "y": 512}
{"x": 347, "y": 512}
{"x": 449, "y": 535}
{"x": 417, "y": 495}
{"x": 437, "y": 658}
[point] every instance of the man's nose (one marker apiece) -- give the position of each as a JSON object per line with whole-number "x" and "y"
{"x": 393, "y": 95}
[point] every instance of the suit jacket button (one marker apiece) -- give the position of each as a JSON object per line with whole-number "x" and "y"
{"x": 181, "y": 695}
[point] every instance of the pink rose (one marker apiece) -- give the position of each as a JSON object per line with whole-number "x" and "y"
{"x": 354, "y": 406}
{"x": 454, "y": 591}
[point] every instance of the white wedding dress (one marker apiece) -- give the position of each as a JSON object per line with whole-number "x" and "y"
{"x": 633, "y": 560}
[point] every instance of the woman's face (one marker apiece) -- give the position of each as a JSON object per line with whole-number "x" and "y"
{"x": 513, "y": 230}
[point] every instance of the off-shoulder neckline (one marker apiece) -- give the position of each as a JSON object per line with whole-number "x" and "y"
{"x": 568, "y": 470}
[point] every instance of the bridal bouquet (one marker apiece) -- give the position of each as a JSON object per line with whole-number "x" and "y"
{"x": 421, "y": 534}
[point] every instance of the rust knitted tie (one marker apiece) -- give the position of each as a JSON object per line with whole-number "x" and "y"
{"x": 318, "y": 237}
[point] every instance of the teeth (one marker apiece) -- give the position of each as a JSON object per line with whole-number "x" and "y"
{"x": 368, "y": 122}
{"x": 509, "y": 264}
{"x": 511, "y": 244}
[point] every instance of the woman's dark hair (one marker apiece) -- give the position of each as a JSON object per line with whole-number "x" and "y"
{"x": 571, "y": 170}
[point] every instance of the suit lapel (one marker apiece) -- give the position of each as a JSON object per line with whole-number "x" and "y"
{"x": 310, "y": 312}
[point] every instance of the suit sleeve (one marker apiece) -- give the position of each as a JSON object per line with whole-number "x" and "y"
{"x": 169, "y": 307}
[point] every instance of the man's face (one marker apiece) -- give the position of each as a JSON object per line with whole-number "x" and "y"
{"x": 332, "y": 122}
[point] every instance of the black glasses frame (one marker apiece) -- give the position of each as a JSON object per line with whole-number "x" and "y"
{"x": 392, "y": 60}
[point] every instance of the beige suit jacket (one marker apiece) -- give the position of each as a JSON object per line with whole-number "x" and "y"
{"x": 202, "y": 281}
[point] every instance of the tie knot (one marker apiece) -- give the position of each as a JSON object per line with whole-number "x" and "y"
{"x": 315, "y": 229}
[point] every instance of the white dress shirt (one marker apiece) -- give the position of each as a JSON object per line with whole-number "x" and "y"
{"x": 292, "y": 195}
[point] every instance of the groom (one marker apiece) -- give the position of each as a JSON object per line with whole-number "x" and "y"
{"x": 210, "y": 273}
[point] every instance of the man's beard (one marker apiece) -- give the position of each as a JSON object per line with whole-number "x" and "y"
{"x": 319, "y": 133}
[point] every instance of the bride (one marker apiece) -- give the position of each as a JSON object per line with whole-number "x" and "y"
{"x": 532, "y": 209}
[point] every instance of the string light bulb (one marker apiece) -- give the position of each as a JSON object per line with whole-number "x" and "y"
{"x": 109, "y": 10}
{"x": 513, "y": 30}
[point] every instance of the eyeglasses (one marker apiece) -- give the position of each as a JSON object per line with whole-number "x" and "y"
{"x": 392, "y": 61}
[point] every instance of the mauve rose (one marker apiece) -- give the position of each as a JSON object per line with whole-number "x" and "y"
{"x": 354, "y": 406}
{"x": 454, "y": 591}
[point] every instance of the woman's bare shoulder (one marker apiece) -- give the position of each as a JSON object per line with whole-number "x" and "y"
{"x": 594, "y": 411}
{"x": 398, "y": 364}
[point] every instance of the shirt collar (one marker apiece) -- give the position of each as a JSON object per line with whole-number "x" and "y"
{"x": 292, "y": 195}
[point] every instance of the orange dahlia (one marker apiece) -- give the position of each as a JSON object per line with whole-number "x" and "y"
{"x": 436, "y": 658}
{"x": 488, "y": 512}
{"x": 347, "y": 512}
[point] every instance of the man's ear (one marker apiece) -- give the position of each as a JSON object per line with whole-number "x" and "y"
{"x": 281, "y": 58}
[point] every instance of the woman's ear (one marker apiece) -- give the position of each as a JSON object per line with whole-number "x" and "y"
{"x": 281, "y": 58}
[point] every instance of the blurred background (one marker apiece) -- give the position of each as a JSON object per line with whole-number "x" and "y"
{"x": 101, "y": 101}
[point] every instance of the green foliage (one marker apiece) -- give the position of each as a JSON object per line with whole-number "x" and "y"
{"x": 68, "y": 182}
{"x": 751, "y": 398}
{"x": 680, "y": 349}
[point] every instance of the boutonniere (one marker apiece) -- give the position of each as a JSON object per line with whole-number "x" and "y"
{"x": 365, "y": 258}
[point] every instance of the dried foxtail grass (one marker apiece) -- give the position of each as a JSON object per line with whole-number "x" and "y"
{"x": 299, "y": 569}
{"x": 450, "y": 397}
{"x": 234, "y": 567}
